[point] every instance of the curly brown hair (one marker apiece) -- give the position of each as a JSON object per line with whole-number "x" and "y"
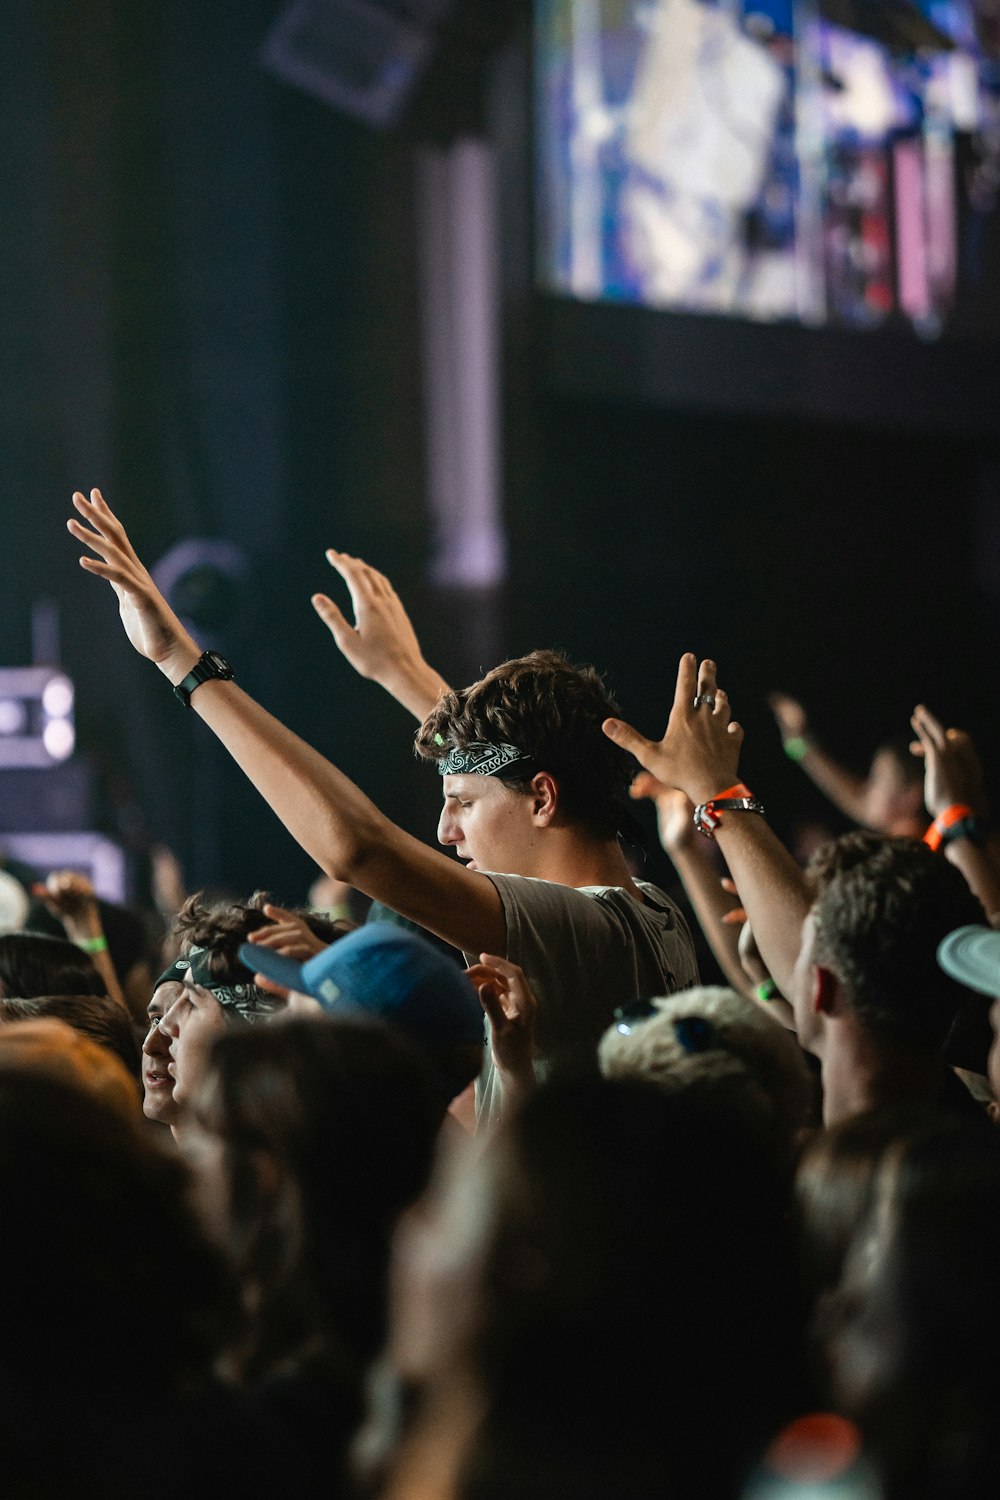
{"x": 552, "y": 711}
{"x": 222, "y": 926}
{"x": 881, "y": 907}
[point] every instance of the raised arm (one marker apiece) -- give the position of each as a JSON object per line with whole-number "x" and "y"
{"x": 699, "y": 754}
{"x": 71, "y": 897}
{"x": 955, "y": 797}
{"x": 845, "y": 789}
{"x": 690, "y": 856}
{"x": 332, "y": 819}
{"x": 382, "y": 644}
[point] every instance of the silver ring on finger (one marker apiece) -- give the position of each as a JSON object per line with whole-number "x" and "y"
{"x": 708, "y": 698}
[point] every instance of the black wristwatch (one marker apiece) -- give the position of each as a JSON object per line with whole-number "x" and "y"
{"x": 209, "y": 664}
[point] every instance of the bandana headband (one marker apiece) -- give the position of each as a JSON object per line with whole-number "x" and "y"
{"x": 506, "y": 762}
{"x": 251, "y": 1003}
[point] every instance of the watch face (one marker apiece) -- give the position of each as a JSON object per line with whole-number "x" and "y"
{"x": 214, "y": 665}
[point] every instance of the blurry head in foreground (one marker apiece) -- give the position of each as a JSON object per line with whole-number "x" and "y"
{"x": 609, "y": 1227}
{"x": 913, "y": 1355}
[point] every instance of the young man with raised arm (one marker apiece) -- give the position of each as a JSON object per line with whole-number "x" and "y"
{"x": 532, "y": 793}
{"x": 852, "y": 941}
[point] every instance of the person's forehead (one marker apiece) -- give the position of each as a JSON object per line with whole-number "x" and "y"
{"x": 197, "y": 994}
{"x": 469, "y": 784}
{"x": 165, "y": 994}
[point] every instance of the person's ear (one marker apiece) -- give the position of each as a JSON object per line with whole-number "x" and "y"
{"x": 544, "y": 798}
{"x": 826, "y": 997}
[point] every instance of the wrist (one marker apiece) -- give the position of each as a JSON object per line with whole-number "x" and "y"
{"x": 420, "y": 677}
{"x": 97, "y": 944}
{"x": 956, "y": 821}
{"x": 796, "y": 746}
{"x": 516, "y": 1082}
{"x": 416, "y": 685}
{"x": 710, "y": 815}
{"x": 83, "y": 929}
{"x": 710, "y": 785}
{"x": 180, "y": 660}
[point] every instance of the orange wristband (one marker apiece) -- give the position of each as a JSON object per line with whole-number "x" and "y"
{"x": 739, "y": 790}
{"x": 945, "y": 820}
{"x": 708, "y": 815}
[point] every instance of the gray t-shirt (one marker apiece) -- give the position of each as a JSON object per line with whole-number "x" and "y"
{"x": 585, "y": 951}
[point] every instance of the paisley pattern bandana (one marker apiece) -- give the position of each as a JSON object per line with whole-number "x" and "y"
{"x": 508, "y": 763}
{"x": 249, "y": 1002}
{"x": 504, "y": 761}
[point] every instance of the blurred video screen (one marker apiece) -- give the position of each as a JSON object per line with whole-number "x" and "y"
{"x": 824, "y": 162}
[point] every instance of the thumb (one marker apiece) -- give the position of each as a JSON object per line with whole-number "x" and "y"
{"x": 333, "y": 619}
{"x": 630, "y": 739}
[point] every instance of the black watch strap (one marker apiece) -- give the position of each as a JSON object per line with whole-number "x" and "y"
{"x": 208, "y": 666}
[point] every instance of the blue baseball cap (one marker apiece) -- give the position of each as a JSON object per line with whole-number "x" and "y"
{"x": 972, "y": 956}
{"x": 385, "y": 971}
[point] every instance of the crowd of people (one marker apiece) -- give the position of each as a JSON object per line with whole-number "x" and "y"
{"x": 455, "y": 1181}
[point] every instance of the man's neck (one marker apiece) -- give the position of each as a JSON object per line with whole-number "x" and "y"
{"x": 859, "y": 1075}
{"x": 569, "y": 857}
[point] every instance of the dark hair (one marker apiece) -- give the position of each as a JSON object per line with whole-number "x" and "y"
{"x": 551, "y": 710}
{"x": 32, "y": 963}
{"x": 834, "y": 1192}
{"x": 882, "y": 905}
{"x": 349, "y": 1113}
{"x": 222, "y": 926}
{"x": 915, "y": 1356}
{"x": 98, "y": 1016}
{"x": 835, "y": 1185}
{"x": 629, "y": 1224}
{"x": 96, "y": 1222}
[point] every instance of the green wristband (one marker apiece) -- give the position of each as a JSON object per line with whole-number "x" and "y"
{"x": 796, "y": 747}
{"x": 94, "y": 944}
{"x": 767, "y": 990}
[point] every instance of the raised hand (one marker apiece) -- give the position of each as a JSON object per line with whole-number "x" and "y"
{"x": 382, "y": 644}
{"x": 70, "y": 895}
{"x": 791, "y": 716}
{"x": 509, "y": 1002}
{"x": 953, "y": 772}
{"x": 674, "y": 812}
{"x": 287, "y": 934}
{"x": 699, "y": 753}
{"x": 150, "y": 624}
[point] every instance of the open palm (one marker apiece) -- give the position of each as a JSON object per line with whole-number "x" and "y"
{"x": 150, "y": 624}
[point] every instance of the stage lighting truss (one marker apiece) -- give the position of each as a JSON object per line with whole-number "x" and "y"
{"x": 36, "y": 716}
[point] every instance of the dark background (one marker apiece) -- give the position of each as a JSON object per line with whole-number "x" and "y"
{"x": 209, "y": 309}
